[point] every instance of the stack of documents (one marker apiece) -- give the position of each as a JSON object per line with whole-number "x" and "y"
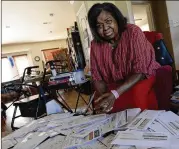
{"x": 144, "y": 120}
{"x": 170, "y": 121}
{"x": 128, "y": 129}
{"x": 150, "y": 129}
{"x": 143, "y": 139}
{"x": 31, "y": 141}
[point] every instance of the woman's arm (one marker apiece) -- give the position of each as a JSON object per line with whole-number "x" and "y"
{"x": 109, "y": 98}
{"x": 100, "y": 87}
{"x": 130, "y": 82}
{"x": 98, "y": 83}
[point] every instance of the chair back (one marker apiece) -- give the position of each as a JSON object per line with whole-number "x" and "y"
{"x": 163, "y": 87}
{"x": 164, "y": 83}
{"x": 162, "y": 55}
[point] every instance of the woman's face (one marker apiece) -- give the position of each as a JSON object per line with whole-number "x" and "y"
{"x": 107, "y": 26}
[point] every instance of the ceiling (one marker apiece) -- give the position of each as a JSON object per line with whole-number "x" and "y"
{"x": 34, "y": 21}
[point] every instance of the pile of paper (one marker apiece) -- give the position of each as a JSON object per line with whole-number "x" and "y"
{"x": 144, "y": 120}
{"x": 143, "y": 139}
{"x": 150, "y": 129}
{"x": 170, "y": 121}
{"x": 128, "y": 129}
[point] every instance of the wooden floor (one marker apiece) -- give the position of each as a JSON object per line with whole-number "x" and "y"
{"x": 69, "y": 96}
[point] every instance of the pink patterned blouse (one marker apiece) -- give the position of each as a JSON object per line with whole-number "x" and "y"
{"x": 134, "y": 54}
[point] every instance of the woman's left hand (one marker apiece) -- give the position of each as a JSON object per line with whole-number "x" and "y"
{"x": 105, "y": 103}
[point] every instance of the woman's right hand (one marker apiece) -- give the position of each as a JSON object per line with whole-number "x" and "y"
{"x": 104, "y": 104}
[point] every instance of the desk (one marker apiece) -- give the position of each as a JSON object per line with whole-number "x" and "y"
{"x": 53, "y": 128}
{"x": 29, "y": 107}
{"x": 37, "y": 79}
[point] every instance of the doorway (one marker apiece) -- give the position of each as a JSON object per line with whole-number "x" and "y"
{"x": 143, "y": 16}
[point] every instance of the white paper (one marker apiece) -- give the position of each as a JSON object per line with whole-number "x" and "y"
{"x": 56, "y": 117}
{"x": 120, "y": 119}
{"x": 52, "y": 143}
{"x": 143, "y": 120}
{"x": 99, "y": 128}
{"x": 143, "y": 139}
{"x": 72, "y": 142}
{"x": 107, "y": 140}
{"x": 93, "y": 145}
{"x": 132, "y": 113}
{"x": 158, "y": 127}
{"x": 122, "y": 147}
{"x": 134, "y": 147}
{"x": 8, "y": 143}
{"x": 19, "y": 134}
{"x": 91, "y": 129}
{"x": 31, "y": 141}
{"x": 170, "y": 121}
{"x": 174, "y": 142}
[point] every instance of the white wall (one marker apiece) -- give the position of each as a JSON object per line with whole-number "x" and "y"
{"x": 173, "y": 15}
{"x": 32, "y": 49}
{"x": 126, "y": 9}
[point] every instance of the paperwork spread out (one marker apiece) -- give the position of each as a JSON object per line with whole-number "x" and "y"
{"x": 128, "y": 129}
{"x": 31, "y": 140}
{"x": 52, "y": 143}
{"x": 137, "y": 138}
{"x": 156, "y": 126}
{"x": 170, "y": 121}
{"x": 143, "y": 120}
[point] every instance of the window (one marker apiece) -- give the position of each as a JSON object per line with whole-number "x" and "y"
{"x": 21, "y": 63}
{"x": 7, "y": 74}
{"x": 10, "y": 73}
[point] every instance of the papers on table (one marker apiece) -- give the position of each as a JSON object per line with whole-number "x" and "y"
{"x": 19, "y": 134}
{"x": 143, "y": 120}
{"x": 107, "y": 140}
{"x": 134, "y": 130}
{"x": 143, "y": 139}
{"x": 170, "y": 121}
{"x": 52, "y": 143}
{"x": 96, "y": 144}
{"x": 100, "y": 127}
{"x": 9, "y": 143}
{"x": 174, "y": 142}
{"x": 31, "y": 141}
{"x": 132, "y": 113}
{"x": 158, "y": 127}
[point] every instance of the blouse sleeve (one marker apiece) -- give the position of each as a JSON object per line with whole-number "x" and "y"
{"x": 93, "y": 64}
{"x": 144, "y": 55}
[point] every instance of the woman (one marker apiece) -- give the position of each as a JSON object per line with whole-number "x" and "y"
{"x": 122, "y": 62}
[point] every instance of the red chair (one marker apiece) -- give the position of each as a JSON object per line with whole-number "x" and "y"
{"x": 163, "y": 86}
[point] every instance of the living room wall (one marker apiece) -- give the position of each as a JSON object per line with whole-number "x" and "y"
{"x": 32, "y": 49}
